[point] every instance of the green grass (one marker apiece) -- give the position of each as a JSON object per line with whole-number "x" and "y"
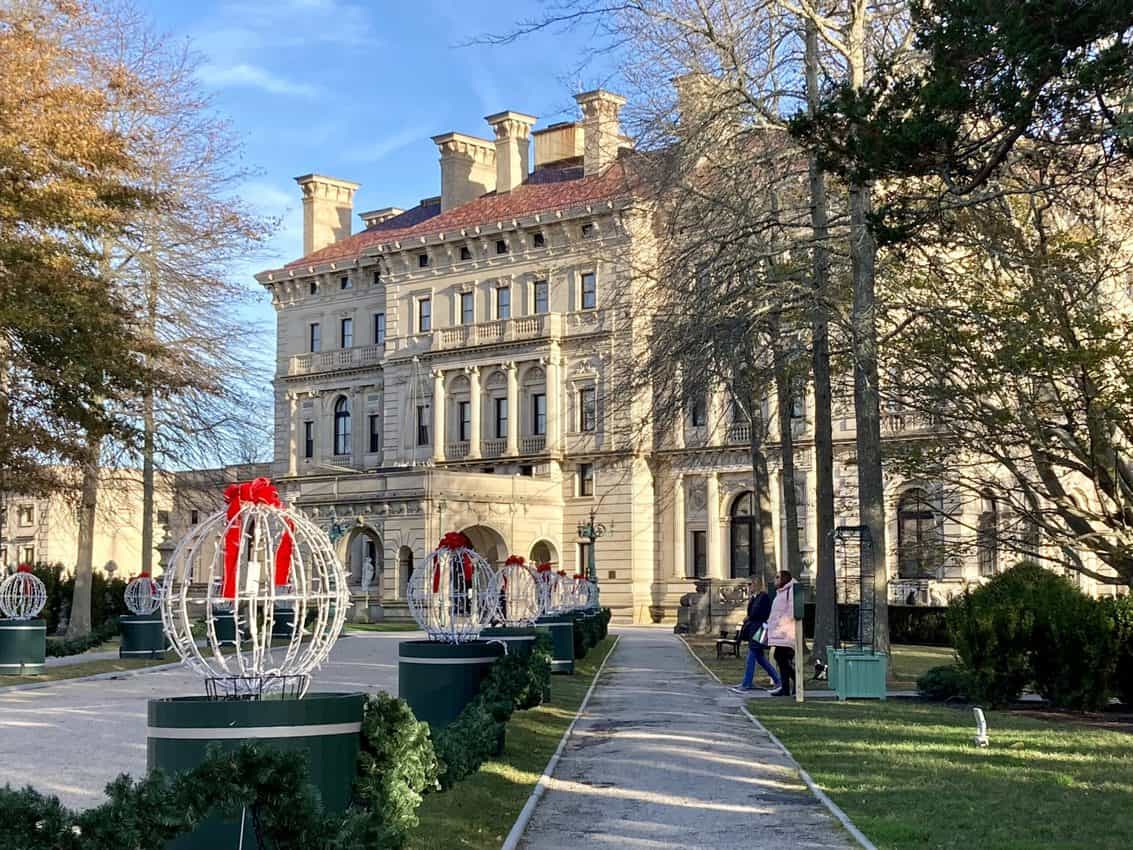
{"x": 910, "y": 779}
{"x": 906, "y": 663}
{"x": 478, "y": 813}
{"x": 382, "y": 627}
{"x": 86, "y": 668}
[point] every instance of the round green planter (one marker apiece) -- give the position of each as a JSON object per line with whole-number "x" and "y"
{"x": 323, "y": 727}
{"x": 561, "y": 629}
{"x": 520, "y": 641}
{"x": 23, "y": 645}
{"x": 283, "y": 623}
{"x": 225, "y": 624}
{"x": 142, "y": 636}
{"x": 439, "y": 679}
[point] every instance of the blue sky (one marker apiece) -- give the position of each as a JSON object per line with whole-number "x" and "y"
{"x": 355, "y": 90}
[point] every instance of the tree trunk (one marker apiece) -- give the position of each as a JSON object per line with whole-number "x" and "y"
{"x": 825, "y": 579}
{"x": 789, "y": 494}
{"x": 147, "y": 484}
{"x": 80, "y": 622}
{"x": 762, "y": 532}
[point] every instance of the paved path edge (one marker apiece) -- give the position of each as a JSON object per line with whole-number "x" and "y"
{"x": 525, "y": 814}
{"x": 93, "y": 677}
{"x": 821, "y": 795}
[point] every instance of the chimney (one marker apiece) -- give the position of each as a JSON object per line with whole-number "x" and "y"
{"x": 603, "y": 137}
{"x": 468, "y": 168}
{"x": 513, "y": 147}
{"x": 328, "y": 205}
{"x": 374, "y": 217}
{"x": 560, "y": 143}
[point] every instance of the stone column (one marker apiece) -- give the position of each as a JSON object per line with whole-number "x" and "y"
{"x": 679, "y": 571}
{"x": 717, "y": 424}
{"x": 438, "y": 415}
{"x": 358, "y": 426}
{"x": 553, "y": 393}
{"x": 474, "y": 401}
{"x": 512, "y": 409}
{"x": 296, "y": 436}
{"x": 712, "y": 537}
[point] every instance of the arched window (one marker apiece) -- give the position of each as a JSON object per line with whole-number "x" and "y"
{"x": 742, "y": 534}
{"x": 342, "y": 426}
{"x": 918, "y": 545}
{"x": 987, "y": 536}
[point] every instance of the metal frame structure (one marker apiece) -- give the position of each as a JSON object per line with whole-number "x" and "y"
{"x": 142, "y": 596}
{"x": 858, "y": 536}
{"x": 22, "y": 596}
{"x": 454, "y": 595}
{"x": 521, "y": 602}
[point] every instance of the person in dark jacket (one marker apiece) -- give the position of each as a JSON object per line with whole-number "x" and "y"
{"x": 755, "y": 633}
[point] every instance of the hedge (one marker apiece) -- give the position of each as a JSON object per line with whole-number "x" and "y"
{"x": 907, "y": 624}
{"x": 107, "y": 600}
{"x": 59, "y": 647}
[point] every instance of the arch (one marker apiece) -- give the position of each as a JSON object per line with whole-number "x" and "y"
{"x": 363, "y": 543}
{"x": 459, "y": 383}
{"x": 918, "y": 537}
{"x": 404, "y": 571}
{"x": 544, "y": 552}
{"x": 487, "y": 542}
{"x": 342, "y": 425}
{"x": 533, "y": 375}
{"x": 741, "y": 535}
{"x": 987, "y": 535}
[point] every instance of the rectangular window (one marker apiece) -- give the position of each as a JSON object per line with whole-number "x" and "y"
{"x": 539, "y": 414}
{"x": 424, "y": 315}
{"x": 347, "y": 333}
{"x": 584, "y": 557}
{"x": 3, "y": 556}
{"x": 503, "y": 302}
{"x": 501, "y": 418}
{"x": 700, "y": 554}
{"x": 698, "y": 412}
{"x": 589, "y": 291}
{"x": 465, "y": 252}
{"x": 538, "y": 240}
{"x": 542, "y": 297}
{"x": 375, "y": 433}
{"x": 422, "y": 261}
{"x": 314, "y": 287}
{"x": 345, "y": 282}
{"x": 586, "y": 479}
{"x": 587, "y": 410}
{"x": 501, "y": 246}
{"x": 798, "y": 406}
{"x": 463, "y": 421}
{"x": 308, "y": 440}
{"x": 377, "y": 277}
{"x": 29, "y": 555}
{"x": 379, "y": 328}
{"x": 587, "y": 230}
{"x": 467, "y": 304}
{"x": 194, "y": 517}
{"x": 422, "y": 425}
{"x": 315, "y": 338}
{"x": 26, "y": 515}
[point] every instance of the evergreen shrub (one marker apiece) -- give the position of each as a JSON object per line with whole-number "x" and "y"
{"x": 944, "y": 683}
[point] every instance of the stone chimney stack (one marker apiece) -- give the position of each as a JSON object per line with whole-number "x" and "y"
{"x": 603, "y": 136}
{"x": 328, "y": 207}
{"x": 513, "y": 148}
{"x": 468, "y": 168}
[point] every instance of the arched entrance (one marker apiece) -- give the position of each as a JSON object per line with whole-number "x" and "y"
{"x": 544, "y": 552}
{"x": 404, "y": 571}
{"x": 488, "y": 542}
{"x": 742, "y": 534}
{"x": 364, "y": 559}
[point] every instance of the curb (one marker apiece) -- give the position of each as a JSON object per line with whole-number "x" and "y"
{"x": 830, "y": 805}
{"x": 93, "y": 677}
{"x": 520, "y": 825}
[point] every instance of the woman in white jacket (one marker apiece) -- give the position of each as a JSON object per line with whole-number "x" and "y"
{"x": 781, "y": 632}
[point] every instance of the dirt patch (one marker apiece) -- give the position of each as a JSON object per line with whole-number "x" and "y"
{"x": 1117, "y": 719}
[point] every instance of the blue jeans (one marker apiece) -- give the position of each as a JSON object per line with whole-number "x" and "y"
{"x": 756, "y": 654}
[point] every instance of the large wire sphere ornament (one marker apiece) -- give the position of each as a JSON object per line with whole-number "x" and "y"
{"x": 582, "y": 593}
{"x": 271, "y": 576}
{"x": 143, "y": 595}
{"x": 22, "y": 595}
{"x": 547, "y": 581}
{"x": 456, "y": 594}
{"x": 521, "y": 602}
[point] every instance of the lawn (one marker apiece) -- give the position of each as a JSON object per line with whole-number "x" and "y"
{"x": 906, "y": 663}
{"x": 86, "y": 668}
{"x": 382, "y": 627}
{"x": 910, "y": 779}
{"x": 479, "y": 812}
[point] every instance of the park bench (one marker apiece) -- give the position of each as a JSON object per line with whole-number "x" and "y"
{"x": 730, "y": 644}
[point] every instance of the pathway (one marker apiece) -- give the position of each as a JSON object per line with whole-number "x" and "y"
{"x": 663, "y": 758}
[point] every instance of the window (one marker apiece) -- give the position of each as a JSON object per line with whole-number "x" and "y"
{"x": 584, "y": 557}
{"x": 586, "y": 479}
{"x": 587, "y": 411}
{"x": 347, "y": 333}
{"x": 308, "y": 440}
{"x": 467, "y": 300}
{"x": 463, "y": 421}
{"x": 542, "y": 299}
{"x": 698, "y": 412}
{"x": 503, "y": 302}
{"x": 375, "y": 420}
{"x": 588, "y": 230}
{"x": 539, "y": 414}
{"x": 313, "y": 287}
{"x": 917, "y": 549}
{"x": 422, "y": 425}
{"x": 501, "y": 418}
{"x": 798, "y": 405}
{"x": 422, "y": 261}
{"x": 465, "y": 252}
{"x": 29, "y": 555}
{"x": 379, "y": 328}
{"x": 700, "y": 554}
{"x": 987, "y": 536}
{"x": 26, "y": 515}
{"x": 314, "y": 338}
{"x": 424, "y": 315}
{"x": 194, "y": 517}
{"x": 538, "y": 240}
{"x": 501, "y": 246}
{"x": 742, "y": 535}
{"x": 3, "y": 556}
{"x": 377, "y": 277}
{"x": 345, "y": 282}
{"x": 342, "y": 426}
{"x": 589, "y": 291}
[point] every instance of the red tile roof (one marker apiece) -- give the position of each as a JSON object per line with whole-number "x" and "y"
{"x": 528, "y": 199}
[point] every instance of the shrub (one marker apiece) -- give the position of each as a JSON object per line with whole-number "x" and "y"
{"x": 944, "y": 683}
{"x": 106, "y": 596}
{"x": 1121, "y": 613}
{"x": 464, "y": 744}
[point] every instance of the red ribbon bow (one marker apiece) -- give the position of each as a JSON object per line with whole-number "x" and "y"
{"x": 258, "y": 492}
{"x": 515, "y": 560}
{"x": 454, "y": 541}
{"x": 23, "y": 568}
{"x": 544, "y": 567}
{"x": 579, "y": 576}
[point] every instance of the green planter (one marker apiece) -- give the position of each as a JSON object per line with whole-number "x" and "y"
{"x": 23, "y": 645}
{"x": 519, "y": 641}
{"x": 225, "y": 624}
{"x": 283, "y": 623}
{"x": 561, "y": 629}
{"x": 142, "y": 636}
{"x": 324, "y": 727}
{"x": 857, "y": 673}
{"x": 439, "y": 679}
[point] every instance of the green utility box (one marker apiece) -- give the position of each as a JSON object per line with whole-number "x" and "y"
{"x": 857, "y": 673}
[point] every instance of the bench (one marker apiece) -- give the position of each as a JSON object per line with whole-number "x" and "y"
{"x": 731, "y": 644}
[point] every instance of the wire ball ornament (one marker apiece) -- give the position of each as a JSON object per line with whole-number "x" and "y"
{"x": 456, "y": 594}
{"x": 547, "y": 580}
{"x": 22, "y": 595}
{"x": 272, "y": 577}
{"x": 583, "y": 593}
{"x": 521, "y": 602}
{"x": 142, "y": 596}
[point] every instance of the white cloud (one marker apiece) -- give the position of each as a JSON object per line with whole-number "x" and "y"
{"x": 244, "y": 75}
{"x": 383, "y": 147}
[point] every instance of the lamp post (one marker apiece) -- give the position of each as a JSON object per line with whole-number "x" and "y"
{"x": 592, "y": 531}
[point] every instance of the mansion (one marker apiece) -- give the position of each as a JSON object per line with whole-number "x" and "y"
{"x": 453, "y": 366}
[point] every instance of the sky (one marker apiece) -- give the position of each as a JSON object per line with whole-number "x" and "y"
{"x": 355, "y": 89}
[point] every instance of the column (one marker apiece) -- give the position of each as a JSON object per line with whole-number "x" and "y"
{"x": 512, "y": 409}
{"x": 474, "y": 401}
{"x": 712, "y": 537}
{"x": 679, "y": 571}
{"x": 553, "y": 399}
{"x": 296, "y": 437}
{"x": 438, "y": 415}
{"x": 358, "y": 427}
{"x": 717, "y": 424}
{"x": 682, "y": 411}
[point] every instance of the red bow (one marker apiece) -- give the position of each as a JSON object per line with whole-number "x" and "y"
{"x": 514, "y": 560}
{"x": 23, "y": 568}
{"x": 579, "y": 576}
{"x": 562, "y": 573}
{"x": 258, "y": 492}
{"x": 454, "y": 541}
{"x": 544, "y": 567}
